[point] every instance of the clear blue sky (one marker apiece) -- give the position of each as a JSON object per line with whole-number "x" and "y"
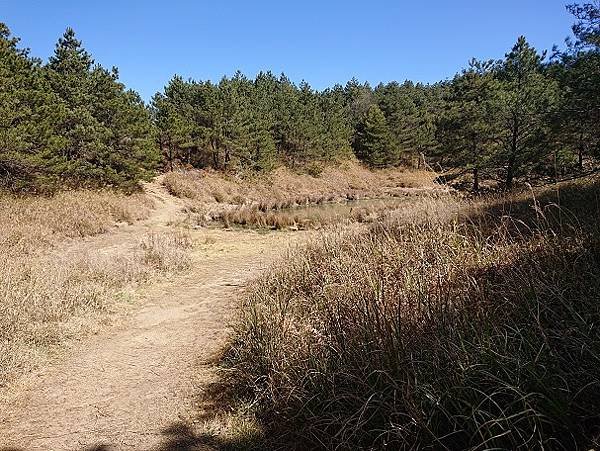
{"x": 323, "y": 42}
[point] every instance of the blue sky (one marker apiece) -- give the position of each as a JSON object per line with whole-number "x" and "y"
{"x": 323, "y": 42}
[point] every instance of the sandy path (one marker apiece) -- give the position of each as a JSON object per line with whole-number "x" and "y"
{"x": 125, "y": 388}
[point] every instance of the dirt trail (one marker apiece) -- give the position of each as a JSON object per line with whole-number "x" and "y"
{"x": 127, "y": 388}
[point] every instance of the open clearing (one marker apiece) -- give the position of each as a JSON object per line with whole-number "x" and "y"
{"x": 133, "y": 385}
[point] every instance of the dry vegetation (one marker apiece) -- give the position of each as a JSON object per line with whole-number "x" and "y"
{"x": 280, "y": 199}
{"x": 450, "y": 325}
{"x": 316, "y": 217}
{"x": 51, "y": 289}
{"x": 283, "y": 188}
{"x": 30, "y": 223}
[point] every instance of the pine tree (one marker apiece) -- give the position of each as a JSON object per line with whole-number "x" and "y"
{"x": 468, "y": 129}
{"x": 410, "y": 116}
{"x": 16, "y": 72}
{"x": 376, "y": 145}
{"x": 69, "y": 72}
{"x": 29, "y": 116}
{"x": 577, "y": 126}
{"x": 528, "y": 98}
{"x": 337, "y": 133}
{"x": 577, "y": 71}
{"x": 587, "y": 27}
{"x": 262, "y": 128}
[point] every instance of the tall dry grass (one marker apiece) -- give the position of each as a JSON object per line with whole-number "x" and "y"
{"x": 314, "y": 217}
{"x": 52, "y": 288}
{"x": 453, "y": 325}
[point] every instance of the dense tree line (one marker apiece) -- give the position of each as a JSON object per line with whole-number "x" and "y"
{"x": 250, "y": 123}
{"x": 269, "y": 120}
{"x": 529, "y": 115}
{"x": 526, "y": 115}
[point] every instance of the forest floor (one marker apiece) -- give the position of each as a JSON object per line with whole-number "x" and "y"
{"x": 138, "y": 385}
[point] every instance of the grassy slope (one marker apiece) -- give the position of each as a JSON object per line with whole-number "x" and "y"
{"x": 455, "y": 324}
{"x": 284, "y": 188}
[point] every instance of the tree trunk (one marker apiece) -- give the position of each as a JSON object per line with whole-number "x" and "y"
{"x": 170, "y": 151}
{"x": 215, "y": 155}
{"x": 510, "y": 174}
{"x": 476, "y": 180}
{"x": 581, "y": 151}
{"x": 510, "y": 170}
{"x": 227, "y": 157}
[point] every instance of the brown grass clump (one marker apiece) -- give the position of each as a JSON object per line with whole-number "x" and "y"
{"x": 167, "y": 251}
{"x": 455, "y": 325}
{"x": 53, "y": 289}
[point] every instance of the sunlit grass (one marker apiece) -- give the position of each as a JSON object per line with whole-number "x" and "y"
{"x": 51, "y": 288}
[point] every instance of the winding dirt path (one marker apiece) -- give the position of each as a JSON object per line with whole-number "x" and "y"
{"x": 127, "y": 388}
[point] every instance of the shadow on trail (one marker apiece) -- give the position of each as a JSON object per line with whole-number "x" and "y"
{"x": 181, "y": 437}
{"x": 214, "y": 404}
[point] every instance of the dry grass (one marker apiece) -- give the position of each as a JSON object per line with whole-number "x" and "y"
{"x": 167, "y": 251}
{"x": 53, "y": 289}
{"x": 284, "y": 199}
{"x": 452, "y": 325}
{"x": 30, "y": 223}
{"x": 315, "y": 217}
{"x": 283, "y": 188}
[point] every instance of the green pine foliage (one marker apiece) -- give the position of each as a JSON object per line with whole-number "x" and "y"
{"x": 69, "y": 122}
{"x": 522, "y": 118}
{"x": 528, "y": 99}
{"x": 468, "y": 125}
{"x": 256, "y": 124}
{"x": 375, "y": 143}
{"x": 410, "y": 111}
{"x": 29, "y": 113}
